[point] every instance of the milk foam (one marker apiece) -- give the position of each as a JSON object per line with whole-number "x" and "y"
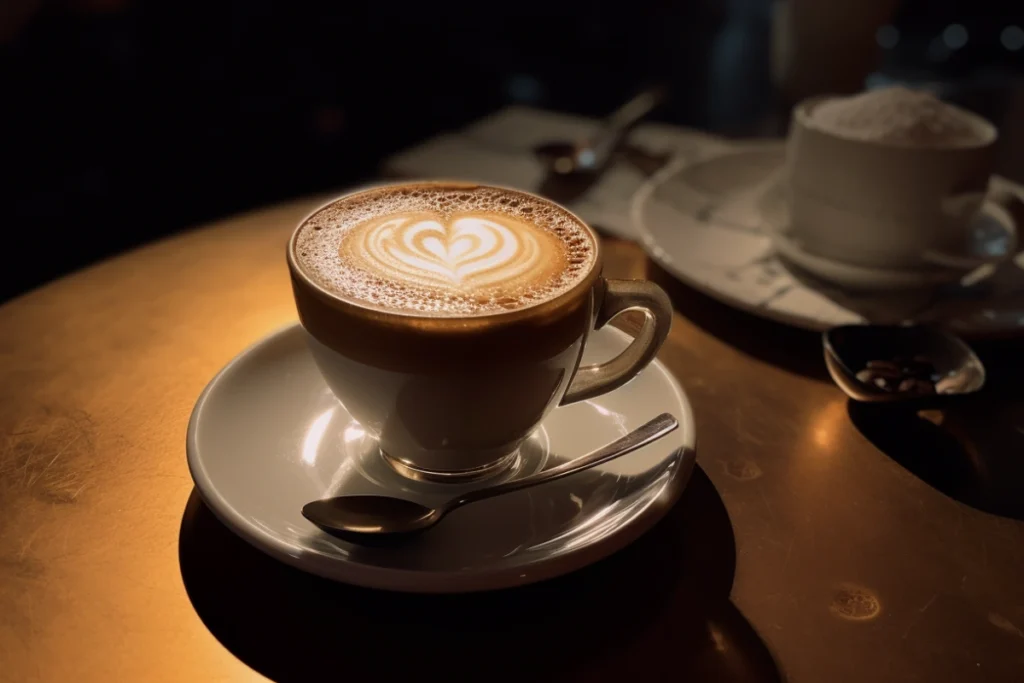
{"x": 445, "y": 250}
{"x": 901, "y": 116}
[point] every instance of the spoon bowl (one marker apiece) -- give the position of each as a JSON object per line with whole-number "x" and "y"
{"x": 362, "y": 515}
{"x": 907, "y": 364}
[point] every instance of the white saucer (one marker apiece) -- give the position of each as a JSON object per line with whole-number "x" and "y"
{"x": 704, "y": 223}
{"x": 267, "y": 436}
{"x": 990, "y": 234}
{"x": 860, "y": 278}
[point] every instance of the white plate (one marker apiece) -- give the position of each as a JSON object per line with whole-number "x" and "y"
{"x": 703, "y": 223}
{"x": 267, "y": 436}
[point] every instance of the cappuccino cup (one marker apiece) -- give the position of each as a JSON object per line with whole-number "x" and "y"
{"x": 449, "y": 318}
{"x": 881, "y": 204}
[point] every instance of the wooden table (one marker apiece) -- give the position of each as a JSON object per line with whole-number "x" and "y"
{"x": 800, "y": 551}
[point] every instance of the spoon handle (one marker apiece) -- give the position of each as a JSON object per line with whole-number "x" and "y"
{"x": 638, "y": 438}
{"x": 619, "y": 123}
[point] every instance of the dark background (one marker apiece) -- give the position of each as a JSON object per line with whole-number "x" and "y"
{"x": 124, "y": 120}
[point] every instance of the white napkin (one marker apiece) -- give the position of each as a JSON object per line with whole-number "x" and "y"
{"x": 499, "y": 149}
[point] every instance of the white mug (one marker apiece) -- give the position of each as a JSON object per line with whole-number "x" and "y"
{"x": 886, "y": 205}
{"x": 452, "y": 399}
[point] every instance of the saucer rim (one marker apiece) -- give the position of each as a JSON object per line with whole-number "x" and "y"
{"x": 437, "y": 582}
{"x": 868, "y": 278}
{"x": 654, "y": 251}
{"x": 644, "y": 197}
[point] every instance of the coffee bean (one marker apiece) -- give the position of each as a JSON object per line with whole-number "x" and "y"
{"x": 915, "y": 375}
{"x": 952, "y": 384}
{"x": 916, "y": 386}
{"x": 907, "y": 385}
{"x": 918, "y": 368}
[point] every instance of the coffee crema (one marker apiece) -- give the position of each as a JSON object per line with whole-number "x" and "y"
{"x": 445, "y": 249}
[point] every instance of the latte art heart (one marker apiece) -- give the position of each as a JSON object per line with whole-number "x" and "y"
{"x": 466, "y": 253}
{"x": 450, "y": 250}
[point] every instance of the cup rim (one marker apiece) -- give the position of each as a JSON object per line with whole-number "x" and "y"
{"x": 802, "y": 116}
{"x": 459, "y": 322}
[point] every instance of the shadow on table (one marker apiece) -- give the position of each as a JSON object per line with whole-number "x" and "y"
{"x": 781, "y": 345}
{"x": 660, "y": 606}
{"x": 973, "y": 452}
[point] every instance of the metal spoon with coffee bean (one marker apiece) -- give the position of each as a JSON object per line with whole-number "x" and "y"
{"x": 916, "y": 376}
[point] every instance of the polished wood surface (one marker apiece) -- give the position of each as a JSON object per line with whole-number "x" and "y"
{"x": 818, "y": 542}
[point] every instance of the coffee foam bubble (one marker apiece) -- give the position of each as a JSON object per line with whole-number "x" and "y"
{"x": 445, "y": 250}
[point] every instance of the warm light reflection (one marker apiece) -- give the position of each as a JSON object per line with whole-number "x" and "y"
{"x": 353, "y": 433}
{"x": 826, "y": 423}
{"x": 618, "y": 418}
{"x": 315, "y": 434}
{"x": 717, "y": 637}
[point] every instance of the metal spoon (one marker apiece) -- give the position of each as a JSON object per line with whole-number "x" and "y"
{"x": 364, "y": 517}
{"x": 917, "y": 365}
{"x": 574, "y": 167}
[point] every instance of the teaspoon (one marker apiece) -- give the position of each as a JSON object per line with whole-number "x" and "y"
{"x": 360, "y": 518}
{"x": 574, "y": 167}
{"x": 913, "y": 365}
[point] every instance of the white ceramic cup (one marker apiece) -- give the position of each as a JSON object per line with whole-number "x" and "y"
{"x": 886, "y": 205}
{"x": 452, "y": 399}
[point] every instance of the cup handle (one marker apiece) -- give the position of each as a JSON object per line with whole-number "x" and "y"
{"x": 620, "y": 296}
{"x": 1001, "y": 206}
